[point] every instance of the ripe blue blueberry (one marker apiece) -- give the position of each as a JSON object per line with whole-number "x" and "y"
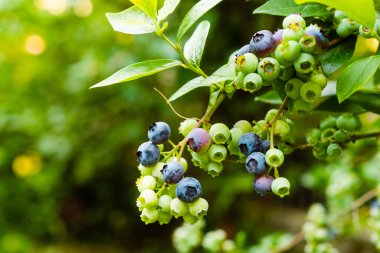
{"x": 249, "y": 143}
{"x": 265, "y": 146}
{"x": 243, "y": 50}
{"x": 172, "y": 172}
{"x": 199, "y": 140}
{"x": 188, "y": 189}
{"x": 255, "y": 163}
{"x": 262, "y": 43}
{"x": 159, "y": 132}
{"x": 262, "y": 185}
{"x": 148, "y": 154}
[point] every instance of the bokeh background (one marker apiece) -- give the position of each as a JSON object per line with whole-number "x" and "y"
{"x": 67, "y": 153}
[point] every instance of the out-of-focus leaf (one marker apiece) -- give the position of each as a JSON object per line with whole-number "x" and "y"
{"x": 369, "y": 100}
{"x": 194, "y": 47}
{"x": 270, "y": 97}
{"x": 131, "y": 21}
{"x": 331, "y": 104}
{"x": 363, "y": 12}
{"x": 337, "y": 56}
{"x": 187, "y": 87}
{"x": 287, "y": 7}
{"x": 278, "y": 85}
{"x": 198, "y": 10}
{"x": 227, "y": 70}
{"x": 168, "y": 8}
{"x": 147, "y": 6}
{"x": 138, "y": 70}
{"x": 355, "y": 75}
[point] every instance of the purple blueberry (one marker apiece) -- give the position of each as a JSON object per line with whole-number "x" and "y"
{"x": 199, "y": 140}
{"x": 262, "y": 43}
{"x": 249, "y": 143}
{"x": 188, "y": 189}
{"x": 159, "y": 132}
{"x": 265, "y": 146}
{"x": 278, "y": 36}
{"x": 148, "y": 154}
{"x": 172, "y": 172}
{"x": 314, "y": 41}
{"x": 255, "y": 163}
{"x": 243, "y": 50}
{"x": 262, "y": 185}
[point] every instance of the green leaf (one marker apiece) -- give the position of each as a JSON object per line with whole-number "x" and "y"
{"x": 209, "y": 81}
{"x": 198, "y": 10}
{"x": 194, "y": 47}
{"x": 138, "y": 70}
{"x": 270, "y": 97}
{"x": 287, "y": 7}
{"x": 362, "y": 12}
{"x": 167, "y": 9}
{"x": 369, "y": 100}
{"x": 147, "y": 6}
{"x": 337, "y": 56}
{"x": 227, "y": 70}
{"x": 278, "y": 85}
{"x": 187, "y": 87}
{"x": 355, "y": 75}
{"x": 131, "y": 21}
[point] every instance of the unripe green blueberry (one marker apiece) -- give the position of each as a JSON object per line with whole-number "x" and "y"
{"x": 240, "y": 80}
{"x": 305, "y": 63}
{"x": 230, "y": 89}
{"x": 293, "y": 88}
{"x": 178, "y": 208}
{"x": 146, "y": 182}
{"x": 269, "y": 68}
{"x": 293, "y": 34}
{"x": 281, "y": 129}
{"x": 346, "y": 121}
{"x": 198, "y": 208}
{"x": 233, "y": 143}
{"x": 247, "y": 63}
{"x": 274, "y": 157}
{"x": 271, "y": 114}
{"x": 164, "y": 203}
{"x": 147, "y": 199}
{"x": 281, "y": 186}
{"x": 342, "y": 135}
{"x": 328, "y": 134}
{"x": 303, "y": 77}
{"x": 252, "y": 82}
{"x": 291, "y": 124}
{"x": 217, "y": 153}
{"x": 294, "y": 20}
{"x": 286, "y": 73}
{"x": 365, "y": 32}
{"x": 301, "y": 106}
{"x": 186, "y": 126}
{"x": 308, "y": 44}
{"x": 144, "y": 171}
{"x": 214, "y": 168}
{"x": 310, "y": 92}
{"x": 212, "y": 241}
{"x": 286, "y": 145}
{"x": 182, "y": 161}
{"x": 319, "y": 79}
{"x": 164, "y": 217}
{"x": 287, "y": 52}
{"x": 149, "y": 215}
{"x": 313, "y": 136}
{"x": 334, "y": 151}
{"x": 244, "y": 125}
{"x": 156, "y": 172}
{"x": 260, "y": 128}
{"x": 319, "y": 151}
{"x": 329, "y": 122}
{"x": 317, "y": 214}
{"x": 219, "y": 133}
{"x": 338, "y": 16}
{"x": 344, "y": 28}
{"x": 191, "y": 219}
{"x": 200, "y": 159}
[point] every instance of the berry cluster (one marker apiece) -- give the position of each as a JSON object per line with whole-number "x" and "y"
{"x": 288, "y": 55}
{"x": 164, "y": 191}
{"x": 316, "y": 231}
{"x": 346, "y": 26}
{"x": 327, "y": 140}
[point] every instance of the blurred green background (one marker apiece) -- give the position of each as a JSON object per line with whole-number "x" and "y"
{"x": 67, "y": 153}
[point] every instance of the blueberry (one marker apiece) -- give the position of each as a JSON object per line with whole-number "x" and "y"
{"x": 286, "y": 73}
{"x": 255, "y": 163}
{"x": 338, "y": 16}
{"x": 262, "y": 185}
{"x": 243, "y": 50}
{"x": 252, "y": 82}
{"x": 293, "y": 34}
{"x": 346, "y": 121}
{"x": 305, "y": 63}
{"x": 172, "y": 172}
{"x": 274, "y": 157}
{"x": 262, "y": 43}
{"x": 344, "y": 28}
{"x": 293, "y": 88}
{"x": 278, "y": 36}
{"x": 249, "y": 143}
{"x": 281, "y": 186}
{"x": 188, "y": 189}
{"x": 294, "y": 21}
{"x": 269, "y": 68}
{"x": 314, "y": 41}
{"x": 199, "y": 140}
{"x": 265, "y": 146}
{"x": 310, "y": 92}
{"x": 247, "y": 63}
{"x": 159, "y": 132}
{"x": 334, "y": 150}
{"x": 319, "y": 79}
{"x": 148, "y": 154}
{"x": 287, "y": 52}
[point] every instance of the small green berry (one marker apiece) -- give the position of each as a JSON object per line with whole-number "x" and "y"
{"x": 329, "y": 122}
{"x": 186, "y": 126}
{"x": 346, "y": 121}
{"x": 164, "y": 203}
{"x": 334, "y": 151}
{"x": 146, "y": 182}
{"x": 319, "y": 79}
{"x": 217, "y": 153}
{"x": 252, "y": 82}
{"x": 269, "y": 68}
{"x": 198, "y": 208}
{"x": 281, "y": 186}
{"x": 178, "y": 208}
{"x": 147, "y": 199}
{"x": 310, "y": 92}
{"x": 293, "y": 88}
{"x": 164, "y": 217}
{"x": 313, "y": 136}
{"x": 305, "y": 63}
{"x": 214, "y": 168}
{"x": 344, "y": 28}
{"x": 281, "y": 129}
{"x": 342, "y": 135}
{"x": 274, "y": 157}
{"x": 247, "y": 63}
{"x": 286, "y": 73}
{"x": 244, "y": 125}
{"x": 219, "y": 133}
{"x": 149, "y": 215}
{"x": 301, "y": 106}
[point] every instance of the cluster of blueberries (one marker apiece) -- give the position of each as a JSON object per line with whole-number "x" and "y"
{"x": 288, "y": 55}
{"x": 333, "y": 131}
{"x": 176, "y": 195}
{"x": 346, "y": 26}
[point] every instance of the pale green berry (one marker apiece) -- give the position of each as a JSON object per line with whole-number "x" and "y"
{"x": 233, "y": 143}
{"x": 219, "y": 133}
{"x": 319, "y": 79}
{"x": 328, "y": 134}
{"x": 198, "y": 208}
{"x": 149, "y": 215}
{"x": 281, "y": 128}
{"x": 301, "y": 106}
{"x": 214, "y": 168}
{"x": 310, "y": 92}
{"x": 252, "y": 82}
{"x": 164, "y": 217}
{"x": 186, "y": 126}
{"x": 146, "y": 182}
{"x": 271, "y": 114}
{"x": 147, "y": 199}
{"x": 144, "y": 171}
{"x": 334, "y": 151}
{"x": 319, "y": 151}
{"x": 274, "y": 157}
{"x": 200, "y": 159}
{"x": 217, "y": 153}
{"x": 313, "y": 136}
{"x": 293, "y": 88}
{"x": 178, "y": 208}
{"x": 190, "y": 218}
{"x": 164, "y": 203}
{"x": 329, "y": 122}
{"x": 281, "y": 186}
{"x": 156, "y": 171}
{"x": 260, "y": 128}
{"x": 213, "y": 240}
{"x": 244, "y": 125}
